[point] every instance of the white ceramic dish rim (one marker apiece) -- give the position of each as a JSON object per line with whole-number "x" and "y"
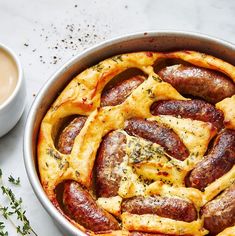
{"x": 28, "y": 159}
{"x": 16, "y": 60}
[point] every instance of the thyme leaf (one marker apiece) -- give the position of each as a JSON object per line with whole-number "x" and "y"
{"x": 117, "y": 58}
{"x": 158, "y": 79}
{"x": 13, "y": 180}
{"x": 2, "y": 230}
{"x": 51, "y": 152}
{"x": 98, "y": 67}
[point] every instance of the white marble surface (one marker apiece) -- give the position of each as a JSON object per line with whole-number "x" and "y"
{"x": 34, "y": 28}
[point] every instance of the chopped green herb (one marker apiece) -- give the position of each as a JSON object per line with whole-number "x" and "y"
{"x": 77, "y": 173}
{"x": 150, "y": 92}
{"x": 2, "y": 230}
{"x": 51, "y": 152}
{"x": 117, "y": 58}
{"x": 98, "y": 67}
{"x": 158, "y": 79}
{"x": 13, "y": 180}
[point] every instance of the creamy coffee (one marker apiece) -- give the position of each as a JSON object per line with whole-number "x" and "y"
{"x": 8, "y": 75}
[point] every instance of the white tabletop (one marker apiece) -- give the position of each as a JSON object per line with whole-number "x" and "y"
{"x": 46, "y": 33}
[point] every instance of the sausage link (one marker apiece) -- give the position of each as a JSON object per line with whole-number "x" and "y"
{"x": 169, "y": 207}
{"x": 210, "y": 85}
{"x": 217, "y": 163}
{"x": 110, "y": 156}
{"x": 163, "y": 136}
{"x": 220, "y": 212}
{"x": 120, "y": 92}
{"x": 68, "y": 135}
{"x": 83, "y": 209}
{"x": 194, "y": 109}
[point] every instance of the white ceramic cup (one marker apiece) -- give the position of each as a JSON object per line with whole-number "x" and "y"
{"x": 12, "y": 108}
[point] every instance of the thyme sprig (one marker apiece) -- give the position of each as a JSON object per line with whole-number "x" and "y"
{"x": 13, "y": 180}
{"x": 15, "y": 208}
{"x": 2, "y": 229}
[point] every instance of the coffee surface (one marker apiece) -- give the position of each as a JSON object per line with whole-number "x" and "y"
{"x": 8, "y": 76}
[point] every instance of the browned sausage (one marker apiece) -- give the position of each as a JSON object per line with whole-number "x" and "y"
{"x": 81, "y": 207}
{"x": 217, "y": 163}
{"x": 67, "y": 136}
{"x": 156, "y": 133}
{"x": 194, "y": 109}
{"x": 220, "y": 212}
{"x": 200, "y": 82}
{"x": 110, "y": 156}
{"x": 120, "y": 92}
{"x": 169, "y": 207}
